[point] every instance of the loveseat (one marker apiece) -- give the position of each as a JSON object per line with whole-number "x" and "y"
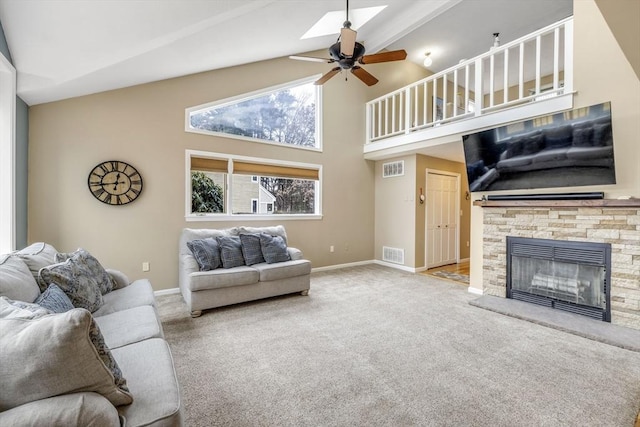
{"x": 219, "y": 267}
{"x": 80, "y": 345}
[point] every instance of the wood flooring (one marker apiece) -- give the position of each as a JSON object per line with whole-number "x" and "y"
{"x": 460, "y": 268}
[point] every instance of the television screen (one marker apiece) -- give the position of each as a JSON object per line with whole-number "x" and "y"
{"x": 567, "y": 149}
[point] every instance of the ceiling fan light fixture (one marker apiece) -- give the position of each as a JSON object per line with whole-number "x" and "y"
{"x": 427, "y": 59}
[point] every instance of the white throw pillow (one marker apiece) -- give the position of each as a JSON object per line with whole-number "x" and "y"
{"x": 16, "y": 281}
{"x": 55, "y": 354}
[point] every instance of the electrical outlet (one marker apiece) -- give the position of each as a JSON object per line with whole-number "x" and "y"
{"x": 331, "y": 248}
{"x": 145, "y": 266}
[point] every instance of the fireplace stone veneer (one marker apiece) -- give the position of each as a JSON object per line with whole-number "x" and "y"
{"x": 618, "y": 225}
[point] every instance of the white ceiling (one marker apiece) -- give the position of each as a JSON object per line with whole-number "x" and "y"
{"x": 68, "y": 48}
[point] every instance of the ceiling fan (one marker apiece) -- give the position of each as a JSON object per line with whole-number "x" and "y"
{"x": 348, "y": 53}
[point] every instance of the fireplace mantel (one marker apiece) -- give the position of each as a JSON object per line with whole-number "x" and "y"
{"x": 589, "y": 203}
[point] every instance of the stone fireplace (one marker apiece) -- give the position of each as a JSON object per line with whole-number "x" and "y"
{"x": 611, "y": 222}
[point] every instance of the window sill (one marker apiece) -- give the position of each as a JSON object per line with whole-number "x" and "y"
{"x": 245, "y": 217}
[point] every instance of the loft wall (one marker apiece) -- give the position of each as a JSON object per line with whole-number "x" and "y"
{"x": 144, "y": 125}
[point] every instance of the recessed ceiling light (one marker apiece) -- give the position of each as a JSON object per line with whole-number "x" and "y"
{"x": 331, "y": 22}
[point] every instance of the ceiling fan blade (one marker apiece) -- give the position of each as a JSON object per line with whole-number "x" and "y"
{"x": 363, "y": 75}
{"x": 347, "y": 41}
{"x": 312, "y": 59}
{"x": 322, "y": 80}
{"x": 394, "y": 55}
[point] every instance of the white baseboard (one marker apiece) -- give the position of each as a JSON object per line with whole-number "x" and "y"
{"x": 373, "y": 261}
{"x": 170, "y": 291}
{"x": 475, "y": 291}
{"x": 339, "y": 266}
{"x": 396, "y": 266}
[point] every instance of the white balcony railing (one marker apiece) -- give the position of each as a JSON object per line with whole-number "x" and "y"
{"x": 532, "y": 68}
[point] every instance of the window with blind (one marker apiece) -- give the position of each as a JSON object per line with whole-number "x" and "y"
{"x": 286, "y": 114}
{"x": 221, "y": 185}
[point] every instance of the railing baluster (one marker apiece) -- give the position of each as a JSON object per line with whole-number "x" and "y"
{"x": 466, "y": 88}
{"x": 386, "y": 116}
{"x": 556, "y": 58}
{"x": 505, "y": 98}
{"x": 445, "y": 86}
{"x": 379, "y": 118}
{"x": 435, "y": 102}
{"x": 424, "y": 103}
{"x": 492, "y": 74}
{"x": 538, "y": 47}
{"x": 521, "y": 73}
{"x": 455, "y": 93}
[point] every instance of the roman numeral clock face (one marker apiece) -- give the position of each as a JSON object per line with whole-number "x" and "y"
{"x": 115, "y": 183}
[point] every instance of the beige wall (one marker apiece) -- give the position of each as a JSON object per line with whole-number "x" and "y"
{"x": 601, "y": 77}
{"x": 144, "y": 125}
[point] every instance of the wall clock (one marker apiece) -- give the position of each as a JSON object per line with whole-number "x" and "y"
{"x": 115, "y": 182}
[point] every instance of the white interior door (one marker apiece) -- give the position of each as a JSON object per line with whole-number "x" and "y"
{"x": 442, "y": 219}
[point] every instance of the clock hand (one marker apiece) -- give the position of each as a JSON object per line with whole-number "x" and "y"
{"x": 115, "y": 184}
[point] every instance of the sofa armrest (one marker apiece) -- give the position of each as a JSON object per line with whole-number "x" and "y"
{"x": 120, "y": 279}
{"x": 81, "y": 409}
{"x": 294, "y": 253}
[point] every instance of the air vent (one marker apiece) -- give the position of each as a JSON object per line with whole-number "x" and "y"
{"x": 393, "y": 255}
{"x": 393, "y": 169}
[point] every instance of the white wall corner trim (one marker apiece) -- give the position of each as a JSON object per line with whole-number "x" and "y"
{"x": 475, "y": 291}
{"x": 7, "y": 155}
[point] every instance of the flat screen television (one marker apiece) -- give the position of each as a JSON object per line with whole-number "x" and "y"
{"x": 568, "y": 149}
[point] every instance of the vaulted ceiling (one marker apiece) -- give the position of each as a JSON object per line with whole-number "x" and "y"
{"x": 67, "y": 48}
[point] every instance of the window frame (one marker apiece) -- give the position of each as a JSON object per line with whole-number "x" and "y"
{"x": 228, "y": 191}
{"x": 256, "y": 94}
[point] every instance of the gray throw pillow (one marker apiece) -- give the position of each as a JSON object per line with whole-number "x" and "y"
{"x": 77, "y": 280}
{"x": 251, "y": 250}
{"x": 54, "y": 299}
{"x": 274, "y": 248}
{"x": 92, "y": 265}
{"x": 206, "y": 252}
{"x": 230, "y": 251}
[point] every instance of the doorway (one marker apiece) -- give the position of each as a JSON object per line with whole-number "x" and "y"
{"x": 442, "y": 218}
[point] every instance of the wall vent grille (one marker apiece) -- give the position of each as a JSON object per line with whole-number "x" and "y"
{"x": 393, "y": 169}
{"x": 393, "y": 255}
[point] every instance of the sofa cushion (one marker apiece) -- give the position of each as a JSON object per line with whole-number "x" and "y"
{"x": 206, "y": 252}
{"x": 274, "y": 248}
{"x": 230, "y": 251}
{"x": 582, "y": 135}
{"x": 153, "y": 381}
{"x": 16, "y": 280}
{"x": 223, "y": 278}
{"x": 45, "y": 356}
{"x": 54, "y": 299}
{"x": 283, "y": 270}
{"x": 251, "y": 250}
{"x": 76, "y": 409}
{"x": 92, "y": 266}
{"x": 137, "y": 294}
{"x": 189, "y": 234}
{"x": 556, "y": 155}
{"x": 276, "y": 230}
{"x": 558, "y": 137}
{"x": 76, "y": 279}
{"x": 129, "y": 326}
{"x": 36, "y": 256}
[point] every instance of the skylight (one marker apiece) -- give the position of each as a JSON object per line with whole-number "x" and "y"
{"x": 331, "y": 22}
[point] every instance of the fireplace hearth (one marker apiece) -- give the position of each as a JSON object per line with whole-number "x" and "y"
{"x": 572, "y": 276}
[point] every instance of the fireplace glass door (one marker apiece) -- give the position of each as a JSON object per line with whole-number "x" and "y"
{"x": 570, "y": 282}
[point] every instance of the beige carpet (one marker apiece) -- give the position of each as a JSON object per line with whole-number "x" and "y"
{"x": 373, "y": 346}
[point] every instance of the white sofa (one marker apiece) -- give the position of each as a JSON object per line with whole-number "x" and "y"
{"x": 50, "y": 370}
{"x": 222, "y": 286}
